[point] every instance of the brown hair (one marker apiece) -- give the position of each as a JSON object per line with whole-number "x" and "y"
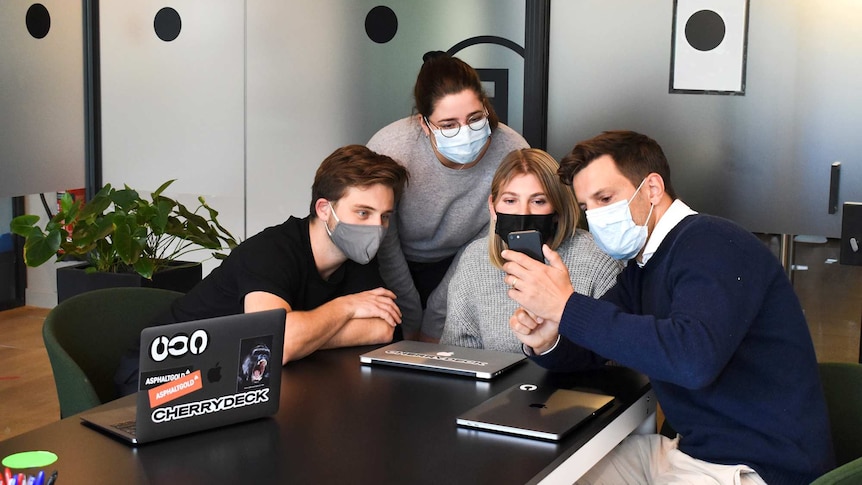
{"x": 442, "y": 75}
{"x": 532, "y": 161}
{"x": 356, "y": 166}
{"x": 634, "y": 154}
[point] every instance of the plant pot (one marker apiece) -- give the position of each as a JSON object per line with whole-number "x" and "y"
{"x": 179, "y": 276}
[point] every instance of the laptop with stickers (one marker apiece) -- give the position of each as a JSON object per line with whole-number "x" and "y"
{"x": 200, "y": 375}
{"x": 535, "y": 411}
{"x": 477, "y": 363}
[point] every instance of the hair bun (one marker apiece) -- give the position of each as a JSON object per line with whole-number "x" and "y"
{"x": 433, "y": 55}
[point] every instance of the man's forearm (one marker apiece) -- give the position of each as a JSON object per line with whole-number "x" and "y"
{"x": 361, "y": 331}
{"x": 307, "y": 331}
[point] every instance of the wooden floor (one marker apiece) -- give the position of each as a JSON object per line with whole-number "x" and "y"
{"x": 831, "y": 297}
{"x": 28, "y": 398}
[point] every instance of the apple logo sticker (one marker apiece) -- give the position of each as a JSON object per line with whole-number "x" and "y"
{"x": 214, "y": 374}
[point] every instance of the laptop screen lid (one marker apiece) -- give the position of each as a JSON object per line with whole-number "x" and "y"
{"x": 203, "y": 374}
{"x": 535, "y": 411}
{"x": 477, "y": 363}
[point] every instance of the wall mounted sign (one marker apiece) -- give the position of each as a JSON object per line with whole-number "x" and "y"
{"x": 708, "y": 46}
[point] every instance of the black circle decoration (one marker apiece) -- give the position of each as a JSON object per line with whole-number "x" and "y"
{"x": 38, "y": 20}
{"x": 381, "y": 24}
{"x": 705, "y": 30}
{"x": 167, "y": 24}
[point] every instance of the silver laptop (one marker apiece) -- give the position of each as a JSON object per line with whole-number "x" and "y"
{"x": 478, "y": 363}
{"x": 535, "y": 411}
{"x": 200, "y": 375}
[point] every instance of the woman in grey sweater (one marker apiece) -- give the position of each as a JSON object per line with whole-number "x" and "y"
{"x": 525, "y": 194}
{"x": 451, "y": 147}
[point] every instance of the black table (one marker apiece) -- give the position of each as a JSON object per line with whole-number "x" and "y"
{"x": 342, "y": 422}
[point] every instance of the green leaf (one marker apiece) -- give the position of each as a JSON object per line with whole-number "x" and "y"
{"x": 87, "y": 232}
{"x": 124, "y": 244}
{"x": 162, "y": 210}
{"x": 23, "y": 225}
{"x": 126, "y": 199}
{"x": 40, "y": 247}
{"x": 69, "y": 208}
{"x": 145, "y": 268}
{"x": 161, "y": 188}
{"x": 96, "y": 207}
{"x": 223, "y": 233}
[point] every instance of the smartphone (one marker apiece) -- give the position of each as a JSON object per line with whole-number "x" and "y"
{"x": 527, "y": 242}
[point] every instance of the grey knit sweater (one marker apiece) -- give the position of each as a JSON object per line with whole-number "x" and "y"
{"x": 478, "y": 308}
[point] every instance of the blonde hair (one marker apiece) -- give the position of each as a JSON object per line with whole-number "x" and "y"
{"x": 532, "y": 161}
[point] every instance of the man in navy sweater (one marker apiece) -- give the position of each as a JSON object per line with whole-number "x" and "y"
{"x": 704, "y": 309}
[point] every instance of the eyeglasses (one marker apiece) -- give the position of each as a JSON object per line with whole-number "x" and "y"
{"x": 449, "y": 129}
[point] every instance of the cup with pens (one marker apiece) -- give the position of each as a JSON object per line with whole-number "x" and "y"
{"x": 15, "y": 466}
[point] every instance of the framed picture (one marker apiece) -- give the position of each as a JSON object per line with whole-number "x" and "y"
{"x": 709, "y": 41}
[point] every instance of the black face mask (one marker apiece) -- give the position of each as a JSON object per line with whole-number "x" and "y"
{"x": 546, "y": 224}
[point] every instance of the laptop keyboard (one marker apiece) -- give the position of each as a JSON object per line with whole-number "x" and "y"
{"x": 127, "y": 427}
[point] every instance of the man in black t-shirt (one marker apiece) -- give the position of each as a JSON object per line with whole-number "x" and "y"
{"x": 322, "y": 268}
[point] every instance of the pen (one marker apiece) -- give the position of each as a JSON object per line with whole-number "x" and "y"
{"x": 8, "y": 474}
{"x": 52, "y": 478}
{"x": 22, "y": 480}
{"x": 40, "y": 478}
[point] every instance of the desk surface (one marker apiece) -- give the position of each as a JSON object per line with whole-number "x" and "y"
{"x": 342, "y": 422}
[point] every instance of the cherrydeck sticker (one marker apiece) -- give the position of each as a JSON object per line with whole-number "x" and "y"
{"x": 210, "y": 406}
{"x": 175, "y": 389}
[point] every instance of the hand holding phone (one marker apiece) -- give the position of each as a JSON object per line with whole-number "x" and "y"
{"x": 527, "y": 242}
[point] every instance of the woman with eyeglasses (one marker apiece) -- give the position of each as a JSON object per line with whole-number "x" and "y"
{"x": 451, "y": 147}
{"x": 526, "y": 194}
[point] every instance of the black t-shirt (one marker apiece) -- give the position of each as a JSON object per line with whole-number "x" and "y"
{"x": 278, "y": 260}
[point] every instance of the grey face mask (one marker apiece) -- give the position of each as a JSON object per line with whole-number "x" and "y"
{"x": 359, "y": 242}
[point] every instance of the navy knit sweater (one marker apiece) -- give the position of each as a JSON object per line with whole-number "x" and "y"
{"x": 714, "y": 322}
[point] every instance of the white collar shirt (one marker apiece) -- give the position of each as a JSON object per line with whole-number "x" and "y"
{"x": 677, "y": 211}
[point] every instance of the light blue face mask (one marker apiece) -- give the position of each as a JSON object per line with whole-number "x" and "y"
{"x": 614, "y": 230}
{"x": 464, "y": 147}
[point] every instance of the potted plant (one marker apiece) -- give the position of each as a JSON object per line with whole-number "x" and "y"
{"x": 119, "y": 235}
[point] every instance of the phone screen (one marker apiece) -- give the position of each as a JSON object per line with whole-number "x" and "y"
{"x": 527, "y": 242}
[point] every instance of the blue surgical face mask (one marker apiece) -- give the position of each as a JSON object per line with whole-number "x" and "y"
{"x": 614, "y": 230}
{"x": 464, "y": 147}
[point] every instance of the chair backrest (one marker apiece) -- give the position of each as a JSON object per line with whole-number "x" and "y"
{"x": 842, "y": 386}
{"x": 86, "y": 335}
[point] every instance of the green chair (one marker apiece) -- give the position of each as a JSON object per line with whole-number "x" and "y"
{"x": 86, "y": 335}
{"x": 842, "y": 385}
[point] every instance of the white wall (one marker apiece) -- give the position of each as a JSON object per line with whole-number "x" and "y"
{"x": 251, "y": 96}
{"x": 762, "y": 159}
{"x": 316, "y": 82}
{"x": 176, "y": 110}
{"x": 41, "y": 100}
